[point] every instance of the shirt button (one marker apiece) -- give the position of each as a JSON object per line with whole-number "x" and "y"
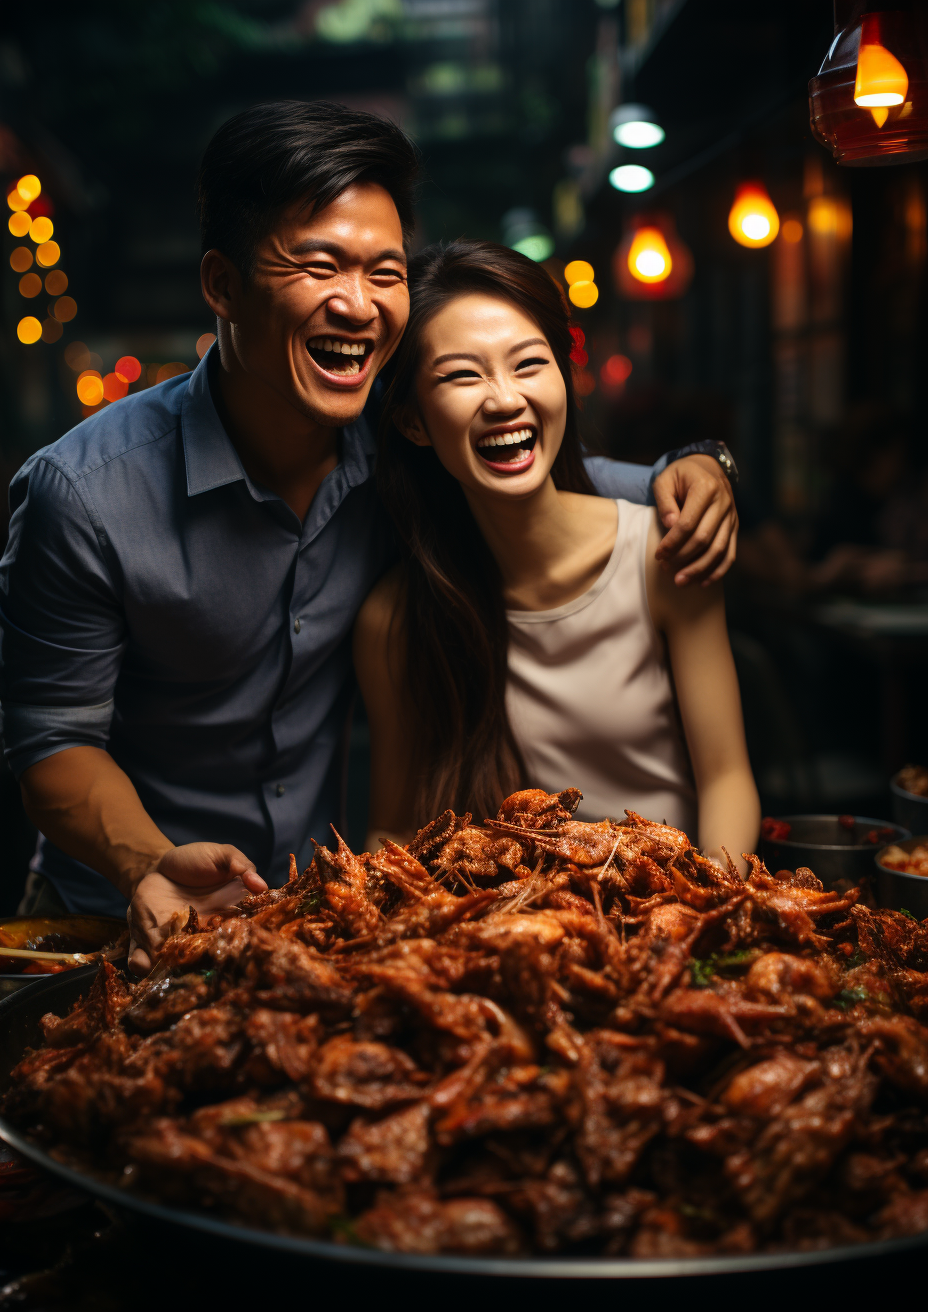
{"x": 296, "y": 626}
{"x": 280, "y": 790}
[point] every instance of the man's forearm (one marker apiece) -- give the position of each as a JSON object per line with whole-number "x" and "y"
{"x": 85, "y": 804}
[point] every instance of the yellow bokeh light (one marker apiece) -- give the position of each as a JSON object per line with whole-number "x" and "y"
{"x": 791, "y": 231}
{"x": 56, "y": 282}
{"x": 584, "y": 294}
{"x": 204, "y": 342}
{"x": 15, "y": 201}
{"x": 578, "y": 271}
{"x": 65, "y": 309}
{"x": 753, "y": 219}
{"x": 19, "y": 224}
{"x": 51, "y": 330}
{"x": 90, "y": 389}
{"x": 29, "y": 330}
{"x": 49, "y": 253}
{"x": 29, "y": 187}
{"x": 649, "y": 256}
{"x": 21, "y": 259}
{"x": 41, "y": 229}
{"x": 30, "y": 284}
{"x": 830, "y": 216}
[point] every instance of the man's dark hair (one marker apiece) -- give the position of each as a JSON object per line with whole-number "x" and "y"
{"x": 271, "y": 155}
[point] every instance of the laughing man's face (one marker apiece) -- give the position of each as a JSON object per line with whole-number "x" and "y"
{"x": 326, "y": 305}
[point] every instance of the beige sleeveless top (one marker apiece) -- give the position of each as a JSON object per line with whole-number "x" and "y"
{"x": 590, "y": 696}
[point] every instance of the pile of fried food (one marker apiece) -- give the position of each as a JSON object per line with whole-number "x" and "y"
{"x": 534, "y": 1035}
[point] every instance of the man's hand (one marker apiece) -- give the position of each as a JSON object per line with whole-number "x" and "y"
{"x": 206, "y": 876}
{"x": 695, "y": 503}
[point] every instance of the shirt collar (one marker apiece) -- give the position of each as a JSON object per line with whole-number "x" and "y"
{"x": 212, "y": 461}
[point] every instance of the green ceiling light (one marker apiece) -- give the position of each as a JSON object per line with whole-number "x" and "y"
{"x": 636, "y": 126}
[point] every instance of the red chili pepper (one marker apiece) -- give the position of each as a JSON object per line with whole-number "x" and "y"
{"x": 775, "y": 830}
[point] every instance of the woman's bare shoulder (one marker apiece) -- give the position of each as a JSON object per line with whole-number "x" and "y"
{"x": 382, "y": 607}
{"x": 671, "y": 605}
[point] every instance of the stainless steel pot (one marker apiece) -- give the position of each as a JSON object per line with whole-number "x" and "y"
{"x": 20, "y": 1029}
{"x": 899, "y": 891}
{"x": 835, "y": 854}
{"x": 909, "y": 809}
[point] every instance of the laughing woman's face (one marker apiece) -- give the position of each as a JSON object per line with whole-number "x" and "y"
{"x": 490, "y": 397}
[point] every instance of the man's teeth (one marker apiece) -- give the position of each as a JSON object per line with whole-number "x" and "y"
{"x": 505, "y": 439}
{"x": 338, "y": 348}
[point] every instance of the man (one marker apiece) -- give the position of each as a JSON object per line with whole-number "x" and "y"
{"x": 183, "y": 568}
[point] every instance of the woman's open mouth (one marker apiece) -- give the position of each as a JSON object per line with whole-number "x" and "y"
{"x": 509, "y": 451}
{"x": 339, "y": 358}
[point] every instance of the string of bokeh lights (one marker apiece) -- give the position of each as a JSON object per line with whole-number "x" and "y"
{"x": 32, "y": 218}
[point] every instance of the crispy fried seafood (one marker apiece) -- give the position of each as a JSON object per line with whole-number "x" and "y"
{"x": 530, "y": 1035}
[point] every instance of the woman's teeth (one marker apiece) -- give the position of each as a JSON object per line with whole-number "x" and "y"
{"x": 494, "y": 447}
{"x": 351, "y": 355}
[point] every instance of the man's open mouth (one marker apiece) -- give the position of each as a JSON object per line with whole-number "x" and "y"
{"x": 339, "y": 356}
{"x": 511, "y": 448}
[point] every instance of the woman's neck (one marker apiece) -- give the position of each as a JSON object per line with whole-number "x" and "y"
{"x": 550, "y": 547}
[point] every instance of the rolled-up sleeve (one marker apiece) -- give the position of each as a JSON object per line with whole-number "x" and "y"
{"x": 620, "y": 479}
{"x": 63, "y": 626}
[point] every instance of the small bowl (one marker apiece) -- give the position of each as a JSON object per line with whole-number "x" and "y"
{"x": 80, "y": 934}
{"x": 828, "y": 849}
{"x": 900, "y": 891}
{"x": 909, "y": 809}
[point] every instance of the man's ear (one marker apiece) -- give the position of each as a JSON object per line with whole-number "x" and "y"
{"x": 221, "y": 284}
{"x": 409, "y": 422}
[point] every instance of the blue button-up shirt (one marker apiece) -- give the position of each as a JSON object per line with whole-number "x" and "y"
{"x": 157, "y": 602}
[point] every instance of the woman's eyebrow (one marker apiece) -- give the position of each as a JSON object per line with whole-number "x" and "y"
{"x": 463, "y": 355}
{"x": 454, "y": 355}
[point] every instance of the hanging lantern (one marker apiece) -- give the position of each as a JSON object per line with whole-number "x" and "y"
{"x": 651, "y": 262}
{"x": 869, "y": 101}
{"x": 753, "y": 219}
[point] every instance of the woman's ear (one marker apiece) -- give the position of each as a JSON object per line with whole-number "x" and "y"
{"x": 409, "y": 423}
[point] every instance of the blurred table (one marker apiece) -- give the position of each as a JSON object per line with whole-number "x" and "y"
{"x": 894, "y": 636}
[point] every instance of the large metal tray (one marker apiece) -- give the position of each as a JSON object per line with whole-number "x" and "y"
{"x": 19, "y": 1029}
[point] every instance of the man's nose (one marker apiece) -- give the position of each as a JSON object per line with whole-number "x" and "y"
{"x": 351, "y": 301}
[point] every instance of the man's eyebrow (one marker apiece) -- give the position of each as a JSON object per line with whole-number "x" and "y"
{"x": 333, "y": 248}
{"x": 463, "y": 355}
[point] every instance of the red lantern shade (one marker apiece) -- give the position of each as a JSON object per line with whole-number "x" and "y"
{"x": 652, "y": 281}
{"x": 869, "y": 101}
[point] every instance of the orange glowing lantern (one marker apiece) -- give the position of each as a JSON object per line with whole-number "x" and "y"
{"x": 90, "y": 388}
{"x": 881, "y": 80}
{"x": 114, "y": 387}
{"x": 651, "y": 262}
{"x": 869, "y": 101}
{"x": 753, "y": 219}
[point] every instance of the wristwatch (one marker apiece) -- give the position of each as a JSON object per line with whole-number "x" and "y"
{"x": 727, "y": 461}
{"x": 717, "y": 450}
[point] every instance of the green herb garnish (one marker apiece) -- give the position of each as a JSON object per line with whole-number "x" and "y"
{"x": 847, "y": 997}
{"x": 905, "y": 912}
{"x": 311, "y": 902}
{"x": 702, "y": 969}
{"x": 254, "y": 1118}
{"x": 343, "y": 1227}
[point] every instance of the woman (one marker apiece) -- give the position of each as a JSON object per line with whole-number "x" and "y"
{"x": 529, "y": 638}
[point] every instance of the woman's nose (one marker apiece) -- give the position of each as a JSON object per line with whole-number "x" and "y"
{"x": 503, "y": 397}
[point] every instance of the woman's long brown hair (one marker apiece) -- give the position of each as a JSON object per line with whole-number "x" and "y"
{"x": 455, "y": 628}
